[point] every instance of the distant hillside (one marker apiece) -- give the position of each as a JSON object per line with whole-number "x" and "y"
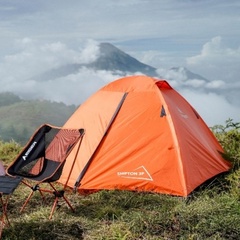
{"x": 8, "y": 98}
{"x": 20, "y": 118}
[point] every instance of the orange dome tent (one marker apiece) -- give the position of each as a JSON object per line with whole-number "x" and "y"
{"x": 140, "y": 134}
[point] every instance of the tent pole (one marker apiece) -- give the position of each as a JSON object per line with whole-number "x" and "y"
{"x": 80, "y": 141}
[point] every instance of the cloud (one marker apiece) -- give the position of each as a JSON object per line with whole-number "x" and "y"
{"x": 182, "y": 24}
{"x": 90, "y": 52}
{"x": 30, "y": 58}
{"x": 213, "y": 108}
{"x": 217, "y": 61}
{"x": 216, "y": 84}
{"x": 18, "y": 71}
{"x": 172, "y": 74}
{"x": 72, "y": 89}
{"x": 180, "y": 79}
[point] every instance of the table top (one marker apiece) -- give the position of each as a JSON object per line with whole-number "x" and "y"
{"x": 9, "y": 184}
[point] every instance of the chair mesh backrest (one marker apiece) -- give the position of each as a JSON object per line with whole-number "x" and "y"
{"x": 58, "y": 143}
{"x": 45, "y": 153}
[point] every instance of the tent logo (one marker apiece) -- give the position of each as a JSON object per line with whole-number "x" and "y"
{"x": 138, "y": 173}
{"x": 29, "y": 150}
{"x": 182, "y": 113}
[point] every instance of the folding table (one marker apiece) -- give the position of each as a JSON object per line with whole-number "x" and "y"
{"x": 7, "y": 186}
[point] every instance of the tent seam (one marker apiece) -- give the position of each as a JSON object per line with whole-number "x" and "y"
{"x": 176, "y": 142}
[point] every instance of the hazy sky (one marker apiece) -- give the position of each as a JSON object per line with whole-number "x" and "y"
{"x": 201, "y": 35}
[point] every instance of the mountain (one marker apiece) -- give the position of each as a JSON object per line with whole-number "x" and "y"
{"x": 187, "y": 74}
{"x": 110, "y": 59}
{"x": 113, "y": 59}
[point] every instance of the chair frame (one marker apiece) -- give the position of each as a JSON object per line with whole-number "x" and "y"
{"x": 58, "y": 194}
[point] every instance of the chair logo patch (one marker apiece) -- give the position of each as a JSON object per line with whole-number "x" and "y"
{"x": 29, "y": 150}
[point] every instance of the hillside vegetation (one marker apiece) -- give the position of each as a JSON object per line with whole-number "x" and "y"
{"x": 211, "y": 212}
{"x": 20, "y": 118}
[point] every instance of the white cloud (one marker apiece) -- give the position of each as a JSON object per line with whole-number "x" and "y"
{"x": 90, "y": 52}
{"x": 171, "y": 74}
{"x": 217, "y": 61}
{"x": 18, "y": 71}
{"x": 72, "y": 89}
{"x": 31, "y": 58}
{"x": 186, "y": 22}
{"x": 213, "y": 108}
{"x": 216, "y": 84}
{"x": 24, "y": 42}
{"x": 195, "y": 83}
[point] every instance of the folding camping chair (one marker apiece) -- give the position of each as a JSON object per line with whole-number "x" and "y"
{"x": 43, "y": 158}
{"x": 7, "y": 186}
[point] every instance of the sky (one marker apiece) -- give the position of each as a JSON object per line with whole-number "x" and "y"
{"x": 200, "y": 35}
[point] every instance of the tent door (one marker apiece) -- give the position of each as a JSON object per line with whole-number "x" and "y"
{"x": 77, "y": 184}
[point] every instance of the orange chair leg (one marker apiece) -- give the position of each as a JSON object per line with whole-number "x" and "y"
{"x": 53, "y": 207}
{"x": 59, "y": 194}
{"x": 35, "y": 188}
{"x": 4, "y": 214}
{"x": 68, "y": 203}
{"x": 26, "y": 202}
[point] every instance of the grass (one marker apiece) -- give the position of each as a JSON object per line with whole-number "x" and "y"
{"x": 211, "y": 212}
{"x": 126, "y": 215}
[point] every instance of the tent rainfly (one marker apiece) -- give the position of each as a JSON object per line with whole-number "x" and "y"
{"x": 141, "y": 135}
